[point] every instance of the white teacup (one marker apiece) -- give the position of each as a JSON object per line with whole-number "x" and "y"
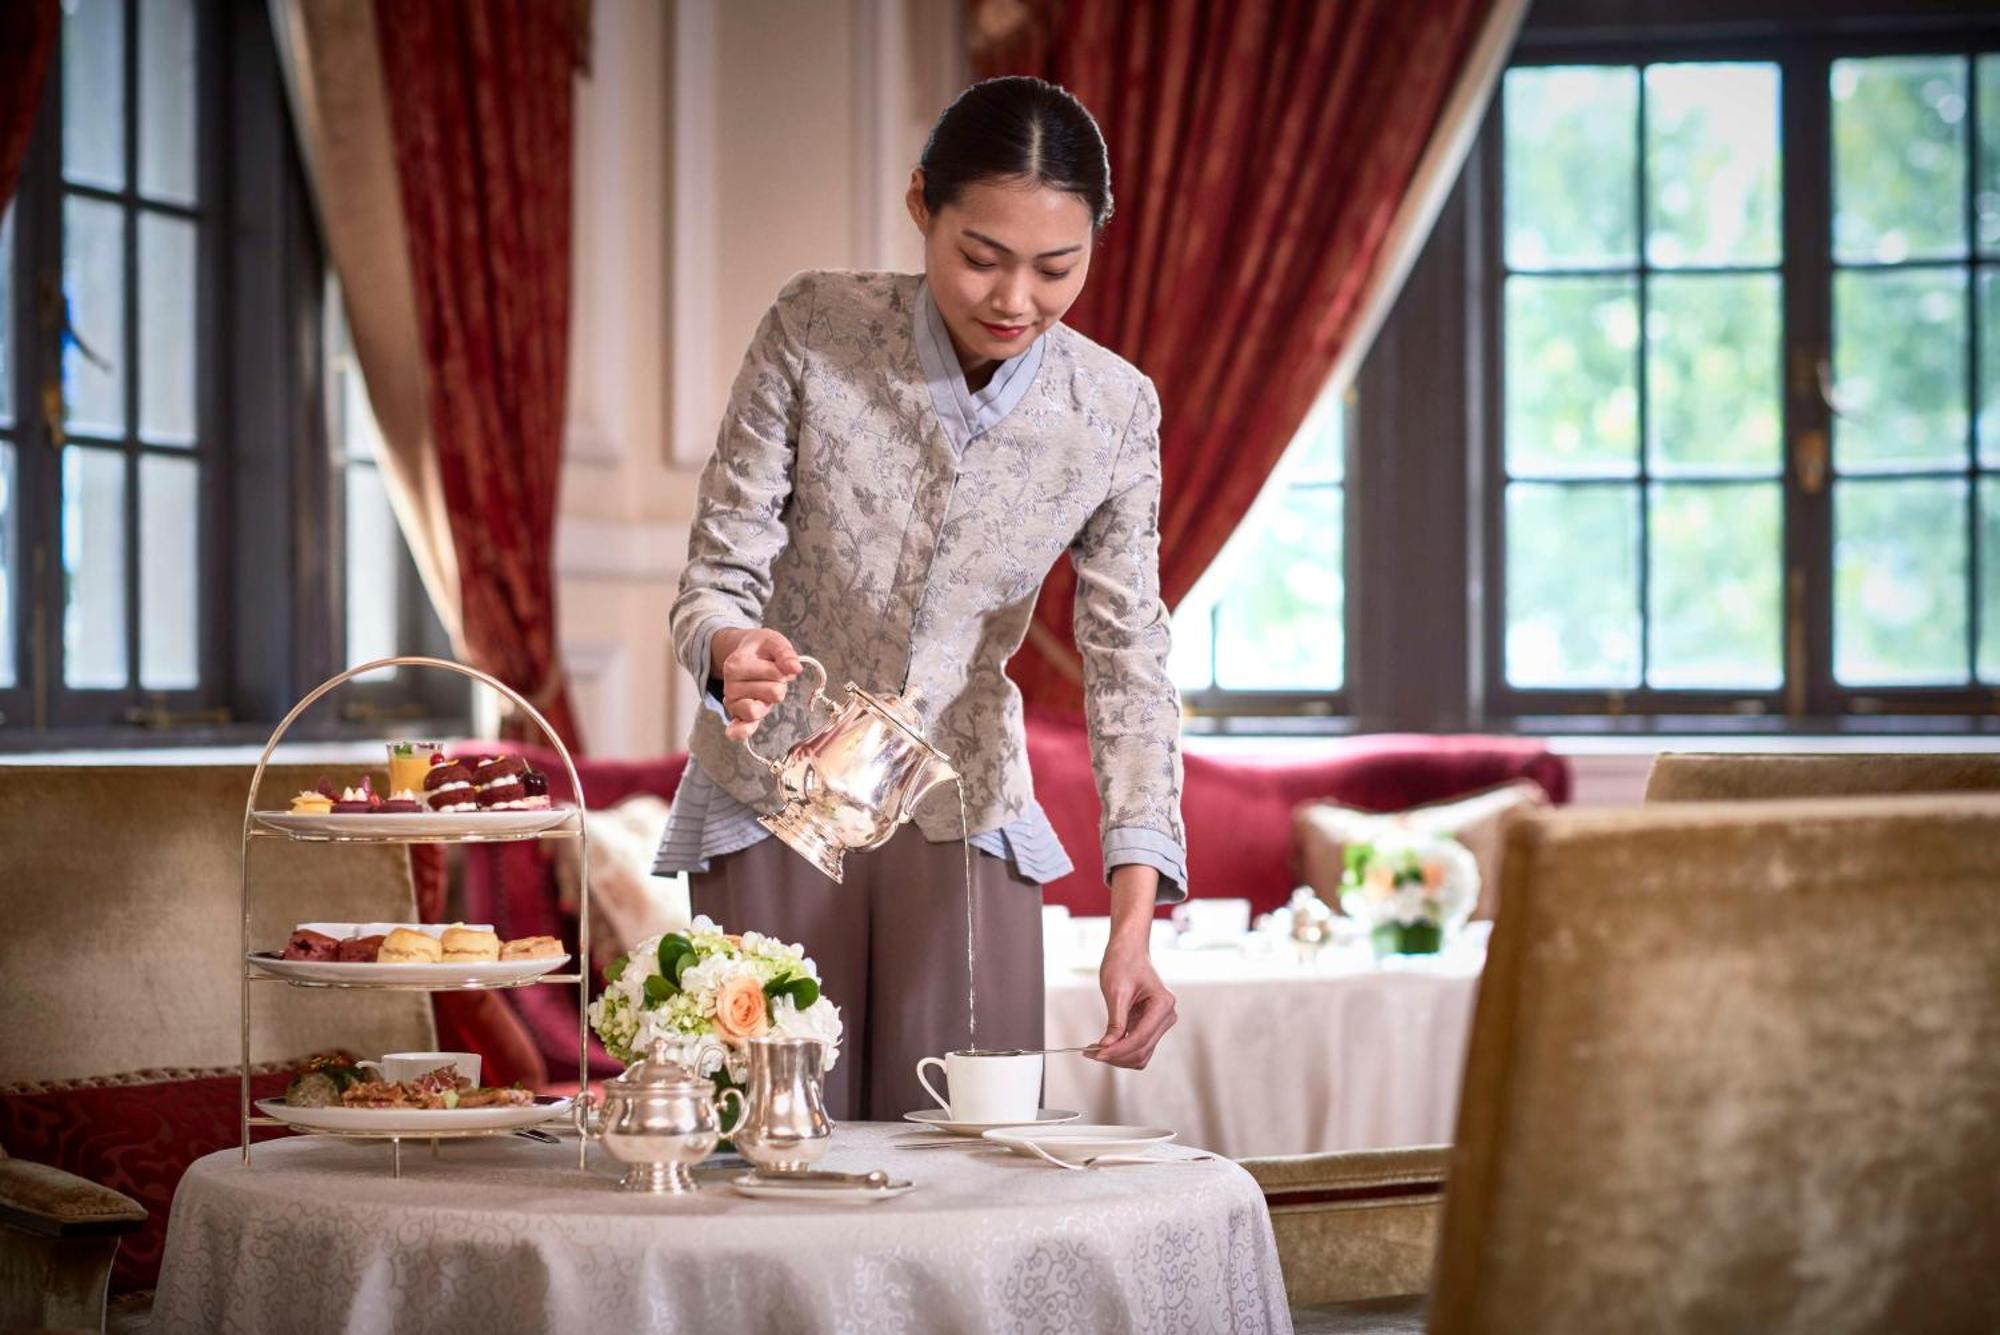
{"x": 400, "y": 1066}
{"x": 998, "y": 1087}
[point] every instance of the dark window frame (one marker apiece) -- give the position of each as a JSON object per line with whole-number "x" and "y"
{"x": 1808, "y": 696}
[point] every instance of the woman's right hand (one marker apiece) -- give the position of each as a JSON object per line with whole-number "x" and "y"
{"x": 755, "y": 666}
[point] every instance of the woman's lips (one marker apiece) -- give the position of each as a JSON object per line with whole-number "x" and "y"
{"x": 1004, "y": 332}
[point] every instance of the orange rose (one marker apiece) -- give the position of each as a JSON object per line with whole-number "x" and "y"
{"x": 739, "y": 1008}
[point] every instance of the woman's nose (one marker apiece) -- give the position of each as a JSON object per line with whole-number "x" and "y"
{"x": 1011, "y": 296}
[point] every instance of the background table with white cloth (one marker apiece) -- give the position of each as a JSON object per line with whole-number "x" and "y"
{"x": 503, "y": 1234}
{"x": 1276, "y": 1052}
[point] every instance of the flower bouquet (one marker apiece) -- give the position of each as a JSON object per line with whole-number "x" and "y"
{"x": 707, "y": 991}
{"x": 1411, "y": 889}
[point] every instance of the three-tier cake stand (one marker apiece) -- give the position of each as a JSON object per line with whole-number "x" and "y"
{"x": 570, "y": 826}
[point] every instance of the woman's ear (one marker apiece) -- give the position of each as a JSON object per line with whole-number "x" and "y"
{"x": 913, "y": 200}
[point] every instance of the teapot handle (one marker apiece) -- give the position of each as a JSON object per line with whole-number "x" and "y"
{"x": 818, "y": 698}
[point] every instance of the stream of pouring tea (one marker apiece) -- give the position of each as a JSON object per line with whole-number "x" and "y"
{"x": 971, "y": 974}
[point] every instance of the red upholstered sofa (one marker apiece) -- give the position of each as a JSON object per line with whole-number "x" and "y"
{"x": 1238, "y": 811}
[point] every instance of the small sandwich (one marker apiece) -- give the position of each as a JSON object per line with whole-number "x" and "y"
{"x": 360, "y": 949}
{"x": 448, "y": 787}
{"x": 469, "y": 945}
{"x": 306, "y": 944}
{"x": 531, "y": 948}
{"x": 404, "y": 946}
{"x": 402, "y": 801}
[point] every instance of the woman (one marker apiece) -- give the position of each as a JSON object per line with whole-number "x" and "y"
{"x": 902, "y": 458}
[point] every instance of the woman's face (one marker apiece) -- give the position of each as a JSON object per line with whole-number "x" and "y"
{"x": 1005, "y": 261}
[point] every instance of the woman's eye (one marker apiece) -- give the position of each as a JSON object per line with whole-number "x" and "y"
{"x": 979, "y": 264}
{"x": 1055, "y": 277}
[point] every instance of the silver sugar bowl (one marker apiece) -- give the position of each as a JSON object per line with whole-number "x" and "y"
{"x": 660, "y": 1119}
{"x": 784, "y": 1127}
{"x": 852, "y": 784}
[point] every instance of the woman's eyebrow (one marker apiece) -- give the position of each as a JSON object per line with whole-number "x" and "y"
{"x": 1045, "y": 255}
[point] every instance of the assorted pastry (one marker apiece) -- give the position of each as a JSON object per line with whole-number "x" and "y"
{"x": 496, "y": 783}
{"x": 336, "y": 1081}
{"x": 457, "y": 944}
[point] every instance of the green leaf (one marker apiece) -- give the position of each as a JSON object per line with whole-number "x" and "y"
{"x": 683, "y": 964}
{"x": 804, "y": 992}
{"x": 672, "y": 946}
{"x": 616, "y": 970}
{"x": 658, "y": 990}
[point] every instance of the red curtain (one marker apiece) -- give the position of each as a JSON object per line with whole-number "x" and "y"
{"x": 29, "y": 32}
{"x": 1259, "y": 151}
{"x": 480, "y": 109}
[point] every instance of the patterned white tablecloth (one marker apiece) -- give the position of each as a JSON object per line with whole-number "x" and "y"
{"x": 504, "y": 1234}
{"x": 1275, "y": 1055}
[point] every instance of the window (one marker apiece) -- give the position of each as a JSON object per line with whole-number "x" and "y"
{"x": 371, "y": 606}
{"x": 1265, "y": 628}
{"x": 1743, "y": 326}
{"x": 107, "y": 461}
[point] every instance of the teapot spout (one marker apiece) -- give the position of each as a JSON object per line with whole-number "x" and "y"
{"x": 934, "y": 772}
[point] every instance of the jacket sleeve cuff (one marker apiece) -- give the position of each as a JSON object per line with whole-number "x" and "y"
{"x": 703, "y": 639}
{"x": 1129, "y": 844}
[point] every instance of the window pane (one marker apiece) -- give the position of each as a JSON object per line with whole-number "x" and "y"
{"x": 169, "y": 573}
{"x": 1712, "y": 176}
{"x": 1989, "y": 579}
{"x": 1988, "y": 222}
{"x": 1572, "y": 375}
{"x": 1714, "y": 371}
{"x": 1989, "y": 367}
{"x": 166, "y": 100}
{"x": 1191, "y": 662}
{"x": 93, "y": 548}
{"x": 7, "y": 527}
{"x": 94, "y": 288}
{"x": 1280, "y": 625}
{"x": 1899, "y": 577}
{"x": 1899, "y": 340}
{"x": 1572, "y": 585}
{"x": 373, "y": 548}
{"x": 1899, "y": 149}
{"x": 6, "y": 316}
{"x": 1571, "y": 188}
{"x": 167, "y": 342}
{"x": 1716, "y": 610}
{"x": 1323, "y": 448}
{"x": 93, "y": 75}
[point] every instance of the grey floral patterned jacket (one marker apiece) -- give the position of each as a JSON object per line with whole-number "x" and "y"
{"x": 837, "y": 511}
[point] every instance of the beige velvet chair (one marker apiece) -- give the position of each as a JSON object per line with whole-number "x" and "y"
{"x": 1727, "y": 777}
{"x": 1734, "y": 1067}
{"x": 122, "y": 956}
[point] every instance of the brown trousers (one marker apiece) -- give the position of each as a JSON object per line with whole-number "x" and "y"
{"x": 890, "y": 944}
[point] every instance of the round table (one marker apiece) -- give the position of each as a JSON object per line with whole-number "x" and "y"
{"x": 504, "y": 1234}
{"x": 1278, "y": 1054}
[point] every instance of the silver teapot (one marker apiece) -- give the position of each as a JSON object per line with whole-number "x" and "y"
{"x": 784, "y": 1127}
{"x": 850, "y": 785}
{"x": 659, "y": 1118}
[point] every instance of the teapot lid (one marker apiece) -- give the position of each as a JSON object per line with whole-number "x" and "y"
{"x": 900, "y": 710}
{"x": 658, "y": 1073}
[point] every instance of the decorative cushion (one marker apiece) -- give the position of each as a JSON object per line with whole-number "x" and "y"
{"x": 1323, "y": 831}
{"x": 135, "y": 1134}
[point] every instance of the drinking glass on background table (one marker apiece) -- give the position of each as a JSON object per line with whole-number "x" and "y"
{"x": 409, "y": 762}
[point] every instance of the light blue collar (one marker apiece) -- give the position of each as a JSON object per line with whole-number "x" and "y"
{"x": 965, "y": 415}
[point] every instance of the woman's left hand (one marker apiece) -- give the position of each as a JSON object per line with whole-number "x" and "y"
{"x": 1138, "y": 1005}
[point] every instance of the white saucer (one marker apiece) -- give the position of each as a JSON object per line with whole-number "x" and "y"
{"x": 939, "y": 1119}
{"x": 1077, "y": 1143}
{"x": 832, "y": 1194}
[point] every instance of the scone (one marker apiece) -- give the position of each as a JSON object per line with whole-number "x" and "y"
{"x": 404, "y": 946}
{"x": 531, "y": 948}
{"x": 469, "y": 945}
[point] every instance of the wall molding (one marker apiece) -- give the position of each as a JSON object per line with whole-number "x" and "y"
{"x": 648, "y": 551}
